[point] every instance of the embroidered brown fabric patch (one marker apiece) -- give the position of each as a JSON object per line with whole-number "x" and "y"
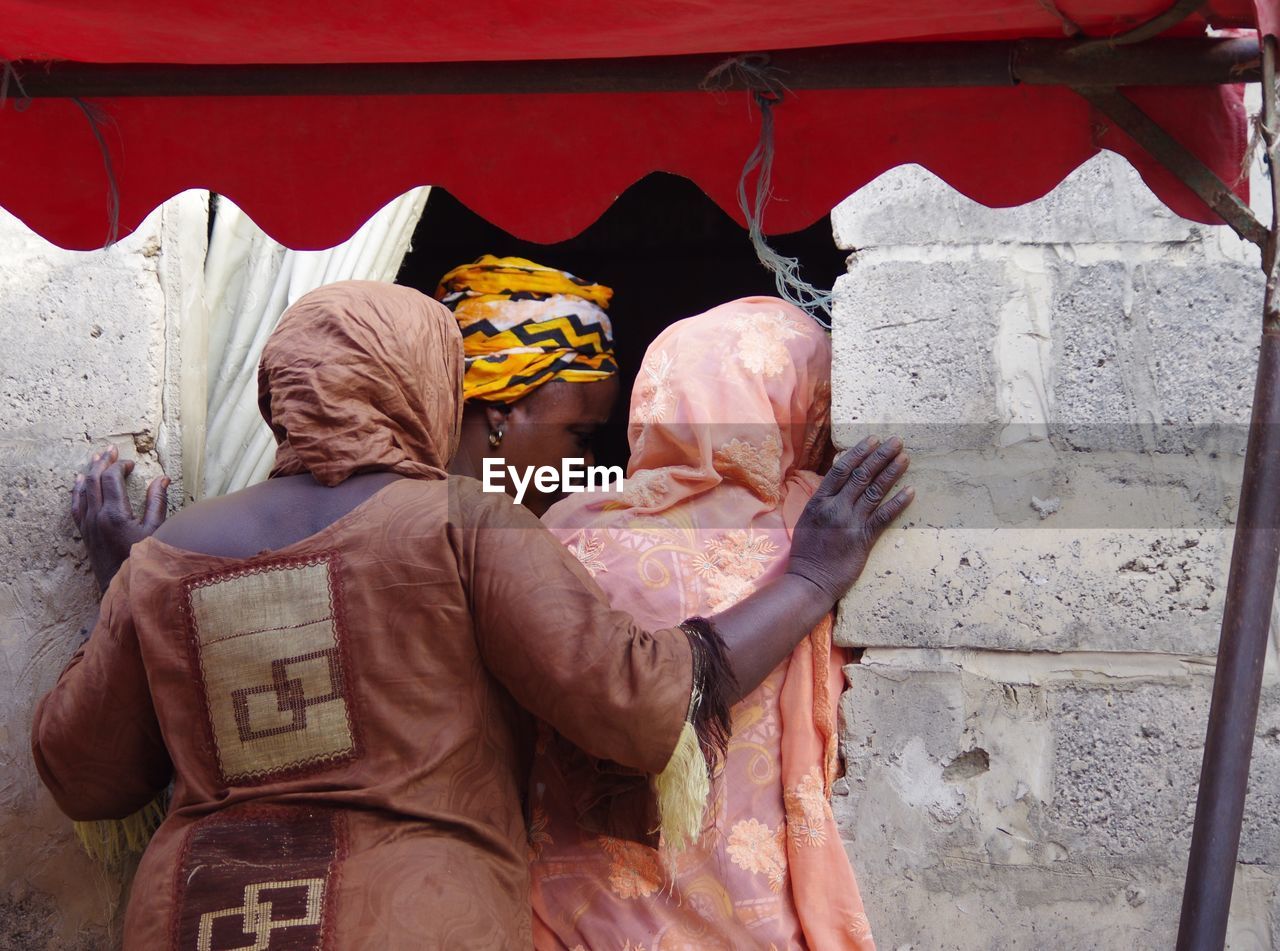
{"x": 268, "y": 643}
{"x": 259, "y": 879}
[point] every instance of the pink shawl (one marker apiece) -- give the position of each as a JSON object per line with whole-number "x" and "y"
{"x": 729, "y": 421}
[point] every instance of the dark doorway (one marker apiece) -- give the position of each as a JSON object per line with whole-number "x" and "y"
{"x": 665, "y": 248}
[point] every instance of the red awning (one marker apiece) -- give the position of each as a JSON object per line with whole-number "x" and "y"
{"x": 311, "y": 169}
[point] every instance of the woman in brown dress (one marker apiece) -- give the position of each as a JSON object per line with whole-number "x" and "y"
{"x": 339, "y": 669}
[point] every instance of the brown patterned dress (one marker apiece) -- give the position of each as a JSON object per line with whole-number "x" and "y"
{"x": 348, "y": 721}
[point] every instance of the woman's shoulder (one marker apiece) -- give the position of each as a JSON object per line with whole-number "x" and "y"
{"x": 413, "y": 505}
{"x": 471, "y": 505}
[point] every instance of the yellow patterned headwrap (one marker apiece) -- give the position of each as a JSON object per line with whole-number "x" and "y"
{"x": 524, "y": 324}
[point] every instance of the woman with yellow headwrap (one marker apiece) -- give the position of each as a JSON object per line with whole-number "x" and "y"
{"x": 527, "y": 330}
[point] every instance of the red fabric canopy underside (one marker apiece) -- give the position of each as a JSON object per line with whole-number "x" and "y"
{"x": 389, "y": 31}
{"x": 311, "y": 170}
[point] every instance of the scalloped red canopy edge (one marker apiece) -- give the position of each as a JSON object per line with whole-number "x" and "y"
{"x": 309, "y": 171}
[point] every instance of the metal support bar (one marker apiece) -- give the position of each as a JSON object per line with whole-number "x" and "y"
{"x": 1233, "y": 711}
{"x": 1174, "y": 156}
{"x": 1180, "y": 62}
{"x": 1246, "y": 620}
{"x": 1270, "y": 130}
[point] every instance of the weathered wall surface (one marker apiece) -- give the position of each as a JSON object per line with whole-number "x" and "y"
{"x": 74, "y": 328}
{"x": 1024, "y": 730}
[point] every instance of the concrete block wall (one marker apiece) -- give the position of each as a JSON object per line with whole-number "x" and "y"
{"x": 86, "y": 348}
{"x": 1024, "y": 728}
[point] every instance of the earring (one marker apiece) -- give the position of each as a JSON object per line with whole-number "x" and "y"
{"x": 495, "y": 438}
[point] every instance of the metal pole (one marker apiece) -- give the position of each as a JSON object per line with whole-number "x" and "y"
{"x": 1178, "y": 62}
{"x": 1246, "y": 619}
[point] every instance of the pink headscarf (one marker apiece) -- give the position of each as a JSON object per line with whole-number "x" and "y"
{"x": 729, "y": 421}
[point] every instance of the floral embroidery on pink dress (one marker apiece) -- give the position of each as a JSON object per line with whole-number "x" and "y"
{"x": 758, "y": 467}
{"x": 634, "y": 871}
{"x": 644, "y": 489}
{"x": 587, "y": 551}
{"x": 761, "y": 346}
{"x": 755, "y": 847}
{"x": 730, "y": 564}
{"x": 742, "y": 552}
{"x": 860, "y": 927}
{"x": 807, "y": 811}
{"x": 653, "y": 395}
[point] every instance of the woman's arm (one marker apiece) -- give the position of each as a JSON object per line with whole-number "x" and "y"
{"x": 95, "y": 738}
{"x": 548, "y": 634}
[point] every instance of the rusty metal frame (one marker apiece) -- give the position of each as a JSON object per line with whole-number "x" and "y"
{"x": 1179, "y": 62}
{"x": 1246, "y": 618}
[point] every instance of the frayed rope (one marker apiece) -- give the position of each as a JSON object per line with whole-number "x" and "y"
{"x": 1251, "y": 149}
{"x": 9, "y": 76}
{"x": 764, "y": 82}
{"x": 1257, "y": 137}
{"x": 98, "y": 120}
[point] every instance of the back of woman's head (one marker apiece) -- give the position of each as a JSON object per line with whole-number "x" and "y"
{"x": 739, "y": 395}
{"x": 363, "y": 376}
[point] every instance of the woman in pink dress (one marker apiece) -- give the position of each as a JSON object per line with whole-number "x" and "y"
{"x": 729, "y": 427}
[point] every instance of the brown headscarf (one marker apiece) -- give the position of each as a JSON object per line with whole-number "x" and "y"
{"x": 361, "y": 376}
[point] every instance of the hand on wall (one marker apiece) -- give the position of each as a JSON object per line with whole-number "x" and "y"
{"x": 102, "y": 512}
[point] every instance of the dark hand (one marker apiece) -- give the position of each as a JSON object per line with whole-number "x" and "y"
{"x": 101, "y": 510}
{"x": 848, "y": 514}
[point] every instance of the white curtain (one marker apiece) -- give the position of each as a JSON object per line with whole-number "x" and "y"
{"x": 249, "y": 281}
